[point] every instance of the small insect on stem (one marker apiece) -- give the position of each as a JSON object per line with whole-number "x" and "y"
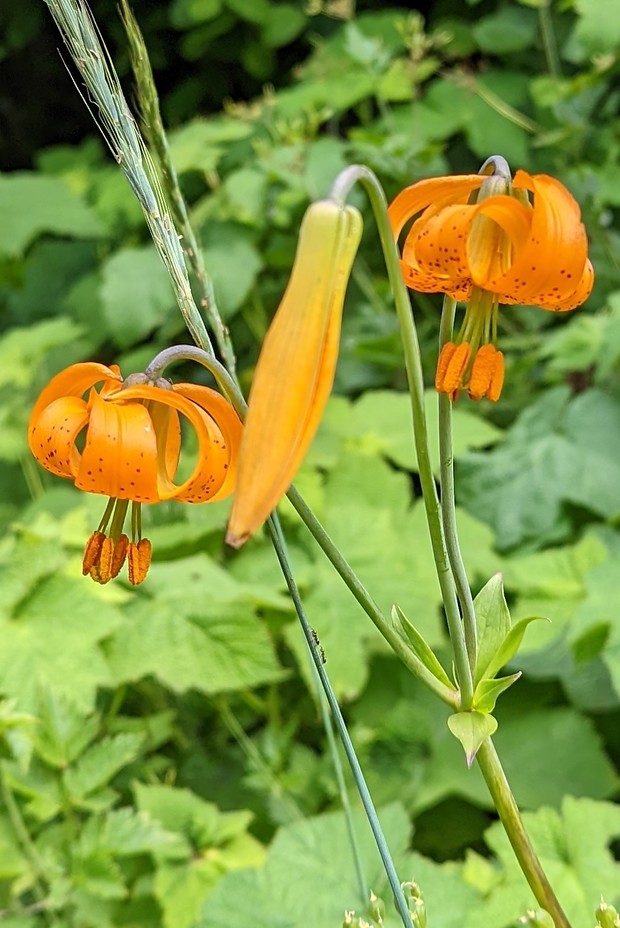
{"x": 317, "y": 643}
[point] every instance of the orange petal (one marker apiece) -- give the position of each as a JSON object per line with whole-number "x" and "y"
{"x": 439, "y": 244}
{"x": 209, "y": 474}
{"x": 488, "y": 252}
{"x": 74, "y": 381}
{"x": 550, "y": 266}
{"x": 433, "y": 190}
{"x": 296, "y": 367}
{"x": 227, "y": 421}
{"x": 120, "y": 454}
{"x": 52, "y": 434}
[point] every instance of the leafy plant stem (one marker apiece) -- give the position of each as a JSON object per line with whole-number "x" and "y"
{"x": 510, "y": 817}
{"x": 250, "y": 750}
{"x": 342, "y": 786}
{"x": 448, "y": 503}
{"x": 157, "y": 141}
{"x": 413, "y": 363}
{"x": 279, "y": 544}
{"x": 367, "y": 603}
{"x": 22, "y": 835}
{"x": 548, "y": 38}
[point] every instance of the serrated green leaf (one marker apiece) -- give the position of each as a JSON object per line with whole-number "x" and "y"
{"x": 487, "y": 691}
{"x": 510, "y": 645}
{"x": 54, "y": 640}
{"x": 99, "y": 763}
{"x": 63, "y": 731}
{"x": 31, "y": 204}
{"x": 471, "y": 729}
{"x": 299, "y": 875}
{"x": 419, "y": 646}
{"x": 492, "y": 623}
{"x": 126, "y": 833}
{"x": 225, "y": 649}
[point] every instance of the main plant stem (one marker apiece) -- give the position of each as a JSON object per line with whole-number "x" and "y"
{"x": 510, "y": 817}
{"x": 415, "y": 378}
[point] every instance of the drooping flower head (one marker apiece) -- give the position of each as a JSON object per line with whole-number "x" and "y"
{"x": 295, "y": 371}
{"x": 124, "y": 441}
{"x": 487, "y": 239}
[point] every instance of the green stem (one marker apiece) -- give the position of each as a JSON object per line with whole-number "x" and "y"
{"x": 548, "y": 37}
{"x": 448, "y": 503}
{"x": 22, "y": 835}
{"x": 157, "y": 140}
{"x": 279, "y": 544}
{"x": 223, "y": 378}
{"x": 510, "y": 817}
{"x": 362, "y": 884}
{"x": 372, "y": 610}
{"x": 413, "y": 364}
{"x": 251, "y": 751}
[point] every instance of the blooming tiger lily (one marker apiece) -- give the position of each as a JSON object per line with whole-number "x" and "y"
{"x": 124, "y": 441}
{"x": 487, "y": 239}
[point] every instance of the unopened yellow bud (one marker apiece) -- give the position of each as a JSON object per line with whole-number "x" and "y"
{"x": 296, "y": 367}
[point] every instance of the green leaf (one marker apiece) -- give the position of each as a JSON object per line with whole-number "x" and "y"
{"x": 510, "y": 29}
{"x": 471, "y": 729}
{"x": 215, "y": 842}
{"x": 538, "y": 748}
{"x": 233, "y": 261}
{"x": 487, "y": 691}
{"x": 561, "y": 449}
{"x": 31, "y": 205}
{"x": 510, "y": 644}
{"x": 63, "y": 732}
{"x": 187, "y": 640}
{"x": 419, "y": 646}
{"x": 100, "y": 763}
{"x": 299, "y": 882}
{"x": 573, "y": 846}
{"x": 492, "y": 623}
{"x": 597, "y": 30}
{"x": 136, "y": 294}
{"x": 54, "y": 641}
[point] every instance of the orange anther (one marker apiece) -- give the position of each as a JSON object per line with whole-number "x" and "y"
{"x": 138, "y": 560}
{"x": 92, "y": 552}
{"x": 452, "y": 380}
{"x": 119, "y": 555}
{"x": 487, "y": 374}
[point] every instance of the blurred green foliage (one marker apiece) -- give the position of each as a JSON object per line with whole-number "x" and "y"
{"x": 163, "y": 762}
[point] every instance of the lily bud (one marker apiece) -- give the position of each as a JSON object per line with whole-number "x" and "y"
{"x": 296, "y": 367}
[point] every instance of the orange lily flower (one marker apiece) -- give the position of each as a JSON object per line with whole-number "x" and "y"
{"x": 124, "y": 441}
{"x": 486, "y": 239}
{"x": 295, "y": 371}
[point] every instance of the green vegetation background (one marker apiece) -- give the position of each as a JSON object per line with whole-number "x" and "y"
{"x": 163, "y": 762}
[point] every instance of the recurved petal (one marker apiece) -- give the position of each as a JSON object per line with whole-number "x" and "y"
{"x": 120, "y": 453}
{"x": 213, "y": 458}
{"x": 227, "y": 420}
{"x": 74, "y": 381}
{"x": 437, "y": 191}
{"x": 52, "y": 434}
{"x": 550, "y": 266}
{"x": 295, "y": 371}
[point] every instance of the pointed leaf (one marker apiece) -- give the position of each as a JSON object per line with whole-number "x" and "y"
{"x": 492, "y": 622}
{"x": 420, "y": 648}
{"x": 510, "y": 644}
{"x": 471, "y": 729}
{"x": 487, "y": 691}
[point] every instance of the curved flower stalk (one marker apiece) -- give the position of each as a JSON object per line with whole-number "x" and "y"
{"x": 488, "y": 240}
{"x": 124, "y": 441}
{"x": 295, "y": 370}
